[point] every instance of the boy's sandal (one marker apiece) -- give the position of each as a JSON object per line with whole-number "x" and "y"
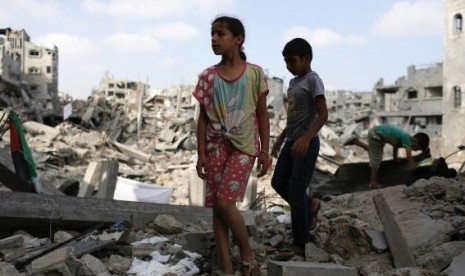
{"x": 251, "y": 268}
{"x": 287, "y": 253}
{"x": 314, "y": 215}
{"x": 284, "y": 255}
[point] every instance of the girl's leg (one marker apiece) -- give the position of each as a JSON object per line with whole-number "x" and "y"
{"x": 221, "y": 231}
{"x": 231, "y": 217}
{"x": 233, "y": 182}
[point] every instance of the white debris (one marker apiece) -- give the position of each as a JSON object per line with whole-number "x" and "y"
{"x": 152, "y": 240}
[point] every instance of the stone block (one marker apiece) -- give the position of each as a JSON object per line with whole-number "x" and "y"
{"x": 51, "y": 261}
{"x": 275, "y": 268}
{"x": 201, "y": 242}
{"x": 7, "y": 269}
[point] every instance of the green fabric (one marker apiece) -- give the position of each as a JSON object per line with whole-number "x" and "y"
{"x": 394, "y": 135}
{"x": 26, "y": 151}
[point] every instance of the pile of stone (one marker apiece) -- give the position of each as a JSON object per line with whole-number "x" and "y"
{"x": 350, "y": 239}
{"x": 157, "y": 145}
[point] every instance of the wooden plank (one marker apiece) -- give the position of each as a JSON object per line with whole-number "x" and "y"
{"x": 400, "y": 250}
{"x": 39, "y": 210}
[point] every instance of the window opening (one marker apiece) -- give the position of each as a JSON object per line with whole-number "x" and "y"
{"x": 457, "y": 97}
{"x": 458, "y": 22}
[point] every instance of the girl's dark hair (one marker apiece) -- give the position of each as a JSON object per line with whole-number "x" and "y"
{"x": 236, "y": 27}
{"x": 422, "y": 140}
{"x": 298, "y": 47}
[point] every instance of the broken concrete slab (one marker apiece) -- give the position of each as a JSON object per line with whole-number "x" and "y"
{"x": 457, "y": 267}
{"x": 7, "y": 269}
{"x": 55, "y": 260}
{"x": 291, "y": 268}
{"x": 36, "y": 128}
{"x": 354, "y": 177}
{"x": 101, "y": 176}
{"x": 80, "y": 213}
{"x": 400, "y": 250}
{"x": 12, "y": 242}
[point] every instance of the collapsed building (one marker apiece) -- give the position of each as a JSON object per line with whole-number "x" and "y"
{"x": 430, "y": 98}
{"x": 414, "y": 100}
{"x": 32, "y": 67}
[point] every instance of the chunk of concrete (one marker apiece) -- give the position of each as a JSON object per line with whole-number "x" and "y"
{"x": 12, "y": 242}
{"x": 55, "y": 260}
{"x": 275, "y": 268}
{"x": 8, "y": 269}
{"x": 457, "y": 267}
{"x": 378, "y": 240}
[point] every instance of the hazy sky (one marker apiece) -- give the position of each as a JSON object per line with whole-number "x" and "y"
{"x": 355, "y": 42}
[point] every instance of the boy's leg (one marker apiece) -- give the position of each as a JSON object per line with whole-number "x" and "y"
{"x": 375, "y": 153}
{"x": 302, "y": 172}
{"x": 282, "y": 172}
{"x": 373, "y": 178}
{"x": 359, "y": 143}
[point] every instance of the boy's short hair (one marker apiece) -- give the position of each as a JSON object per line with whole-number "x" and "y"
{"x": 298, "y": 47}
{"x": 422, "y": 140}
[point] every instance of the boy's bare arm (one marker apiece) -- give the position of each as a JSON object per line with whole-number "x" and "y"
{"x": 277, "y": 145}
{"x": 411, "y": 163}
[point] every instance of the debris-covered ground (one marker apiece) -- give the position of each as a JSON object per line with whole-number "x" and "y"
{"x": 157, "y": 146}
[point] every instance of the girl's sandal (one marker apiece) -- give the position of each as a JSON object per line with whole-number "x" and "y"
{"x": 251, "y": 268}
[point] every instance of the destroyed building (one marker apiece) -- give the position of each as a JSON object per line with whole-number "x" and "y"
{"x": 454, "y": 77}
{"x": 32, "y": 67}
{"x": 132, "y": 92}
{"x": 344, "y": 104}
{"x": 414, "y": 100}
{"x": 415, "y": 229}
{"x": 430, "y": 98}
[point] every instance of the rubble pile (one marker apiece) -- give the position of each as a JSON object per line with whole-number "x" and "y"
{"x": 430, "y": 213}
{"x": 156, "y": 144}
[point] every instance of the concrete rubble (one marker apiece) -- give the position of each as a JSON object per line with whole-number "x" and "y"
{"x": 157, "y": 146}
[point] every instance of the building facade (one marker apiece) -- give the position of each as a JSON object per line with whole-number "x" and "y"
{"x": 414, "y": 101}
{"x": 348, "y": 105}
{"x": 30, "y": 66}
{"x": 431, "y": 98}
{"x": 132, "y": 92}
{"x": 454, "y": 76}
